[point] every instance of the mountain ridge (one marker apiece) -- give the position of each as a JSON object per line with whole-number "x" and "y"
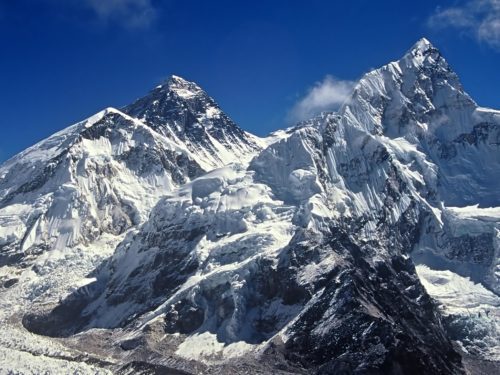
{"x": 300, "y": 254}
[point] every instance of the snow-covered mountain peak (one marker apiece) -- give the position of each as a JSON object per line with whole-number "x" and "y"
{"x": 175, "y": 93}
{"x": 424, "y": 57}
{"x": 415, "y": 95}
{"x": 421, "y": 47}
{"x": 181, "y": 87}
{"x": 420, "y": 99}
{"x": 175, "y": 79}
{"x": 422, "y": 44}
{"x": 422, "y": 52}
{"x": 182, "y": 111}
{"x": 293, "y": 251}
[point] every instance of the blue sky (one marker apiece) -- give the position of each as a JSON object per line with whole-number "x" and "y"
{"x": 264, "y": 62}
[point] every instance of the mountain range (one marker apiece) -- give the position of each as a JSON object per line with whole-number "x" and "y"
{"x": 163, "y": 238}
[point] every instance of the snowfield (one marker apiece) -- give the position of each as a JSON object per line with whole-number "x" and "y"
{"x": 162, "y": 237}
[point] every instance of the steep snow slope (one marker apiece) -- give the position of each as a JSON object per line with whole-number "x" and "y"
{"x": 106, "y": 173}
{"x": 419, "y": 98}
{"x": 66, "y": 202}
{"x": 183, "y": 112}
{"x": 275, "y": 261}
{"x": 472, "y": 313}
{"x": 102, "y": 175}
{"x": 300, "y": 259}
{"x": 449, "y": 148}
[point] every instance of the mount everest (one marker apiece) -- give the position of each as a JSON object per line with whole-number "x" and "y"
{"x": 162, "y": 237}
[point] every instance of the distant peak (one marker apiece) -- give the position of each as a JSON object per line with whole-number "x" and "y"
{"x": 424, "y": 54}
{"x": 180, "y": 86}
{"x": 421, "y": 47}
{"x": 168, "y": 93}
{"x": 177, "y": 80}
{"x": 422, "y": 43}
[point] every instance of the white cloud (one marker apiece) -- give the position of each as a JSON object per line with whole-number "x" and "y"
{"x": 131, "y": 13}
{"x": 326, "y": 95}
{"x": 477, "y": 18}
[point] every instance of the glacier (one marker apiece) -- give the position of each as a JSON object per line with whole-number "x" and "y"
{"x": 163, "y": 237}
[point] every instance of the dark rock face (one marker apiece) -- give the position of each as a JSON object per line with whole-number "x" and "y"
{"x": 361, "y": 317}
{"x": 39, "y": 179}
{"x": 145, "y": 368}
{"x": 145, "y": 161}
{"x": 481, "y": 133}
{"x": 476, "y": 249}
{"x": 371, "y": 320}
{"x": 181, "y": 109}
{"x": 63, "y": 321}
{"x": 10, "y": 282}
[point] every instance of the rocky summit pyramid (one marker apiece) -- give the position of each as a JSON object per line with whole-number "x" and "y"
{"x": 162, "y": 238}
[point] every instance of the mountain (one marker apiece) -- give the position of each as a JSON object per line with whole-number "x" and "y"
{"x": 316, "y": 250}
{"x": 420, "y": 99}
{"x": 183, "y": 112}
{"x": 103, "y": 175}
{"x": 66, "y": 202}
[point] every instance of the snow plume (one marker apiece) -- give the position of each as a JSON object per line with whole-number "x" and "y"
{"x": 132, "y": 13}
{"x": 326, "y": 95}
{"x": 477, "y": 18}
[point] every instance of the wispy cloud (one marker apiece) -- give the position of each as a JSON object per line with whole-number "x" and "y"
{"x": 477, "y": 18}
{"x": 326, "y": 95}
{"x": 130, "y": 13}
